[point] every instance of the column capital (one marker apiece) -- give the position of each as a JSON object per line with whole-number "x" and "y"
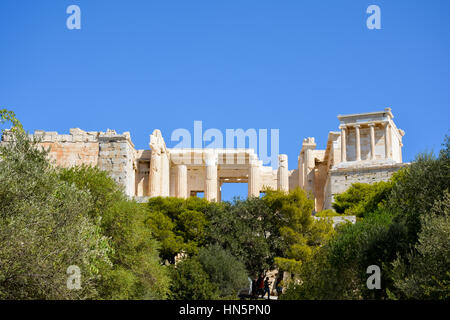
{"x": 371, "y": 124}
{"x": 211, "y": 158}
{"x": 343, "y": 127}
{"x": 357, "y": 126}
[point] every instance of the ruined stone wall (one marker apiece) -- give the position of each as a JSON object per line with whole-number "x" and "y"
{"x": 293, "y": 179}
{"x": 320, "y": 177}
{"x": 196, "y": 179}
{"x": 142, "y": 173}
{"x": 67, "y": 150}
{"x": 109, "y": 151}
{"x": 117, "y": 156}
{"x": 268, "y": 178}
{"x": 339, "y": 180}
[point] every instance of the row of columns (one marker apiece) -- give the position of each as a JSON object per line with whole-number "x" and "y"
{"x": 159, "y": 166}
{"x": 387, "y": 140}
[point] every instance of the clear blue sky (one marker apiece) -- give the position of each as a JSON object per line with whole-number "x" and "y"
{"x": 292, "y": 65}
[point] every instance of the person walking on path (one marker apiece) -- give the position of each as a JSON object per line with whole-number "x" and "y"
{"x": 278, "y": 286}
{"x": 260, "y": 285}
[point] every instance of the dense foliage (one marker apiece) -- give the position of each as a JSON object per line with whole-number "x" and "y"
{"x": 52, "y": 218}
{"x": 191, "y": 282}
{"x": 179, "y": 224}
{"x": 44, "y": 228}
{"x": 137, "y": 272}
{"x": 224, "y": 270}
{"x": 363, "y": 198}
{"x": 211, "y": 274}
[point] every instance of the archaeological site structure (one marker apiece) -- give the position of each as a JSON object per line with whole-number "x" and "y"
{"x": 366, "y": 148}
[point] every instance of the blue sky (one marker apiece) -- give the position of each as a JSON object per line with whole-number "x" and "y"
{"x": 291, "y": 65}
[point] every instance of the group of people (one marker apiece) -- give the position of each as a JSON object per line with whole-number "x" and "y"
{"x": 261, "y": 286}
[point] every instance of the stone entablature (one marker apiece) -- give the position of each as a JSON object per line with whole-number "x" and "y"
{"x": 368, "y": 148}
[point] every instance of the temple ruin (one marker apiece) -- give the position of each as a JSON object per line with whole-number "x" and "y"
{"x": 367, "y": 148}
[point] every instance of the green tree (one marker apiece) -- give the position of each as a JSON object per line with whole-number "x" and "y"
{"x": 419, "y": 186}
{"x": 179, "y": 224}
{"x": 246, "y": 229}
{"x": 44, "y": 228}
{"x": 425, "y": 272}
{"x": 223, "y": 269}
{"x": 10, "y": 116}
{"x": 191, "y": 282}
{"x": 338, "y": 269}
{"x": 136, "y": 272}
{"x": 362, "y": 198}
{"x": 302, "y": 236}
{"x": 136, "y": 263}
{"x": 103, "y": 189}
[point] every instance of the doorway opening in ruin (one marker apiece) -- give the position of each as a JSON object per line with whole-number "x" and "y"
{"x": 198, "y": 194}
{"x": 234, "y": 189}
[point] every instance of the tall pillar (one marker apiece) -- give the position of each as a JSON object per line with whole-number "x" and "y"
{"x": 283, "y": 173}
{"x": 387, "y": 141}
{"x": 155, "y": 173}
{"x": 372, "y": 140}
{"x": 211, "y": 177}
{"x": 219, "y": 191}
{"x": 253, "y": 180}
{"x": 173, "y": 179}
{"x": 300, "y": 171}
{"x": 181, "y": 181}
{"x": 343, "y": 144}
{"x": 165, "y": 175}
{"x": 358, "y": 142}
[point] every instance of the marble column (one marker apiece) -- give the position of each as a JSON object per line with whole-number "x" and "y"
{"x": 387, "y": 141}
{"x": 155, "y": 173}
{"x": 211, "y": 177}
{"x": 165, "y": 175}
{"x": 283, "y": 173}
{"x": 181, "y": 181}
{"x": 358, "y": 142}
{"x": 343, "y": 144}
{"x": 253, "y": 180}
{"x": 372, "y": 140}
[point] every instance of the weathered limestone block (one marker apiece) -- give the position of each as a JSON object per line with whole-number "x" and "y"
{"x": 117, "y": 156}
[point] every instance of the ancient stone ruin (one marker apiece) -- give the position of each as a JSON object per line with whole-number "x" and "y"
{"x": 368, "y": 148}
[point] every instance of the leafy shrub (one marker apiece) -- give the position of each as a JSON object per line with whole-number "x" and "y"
{"x": 179, "y": 224}
{"x": 191, "y": 282}
{"x": 136, "y": 272}
{"x": 362, "y": 198}
{"x": 44, "y": 228}
{"x": 224, "y": 270}
{"x": 425, "y": 272}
